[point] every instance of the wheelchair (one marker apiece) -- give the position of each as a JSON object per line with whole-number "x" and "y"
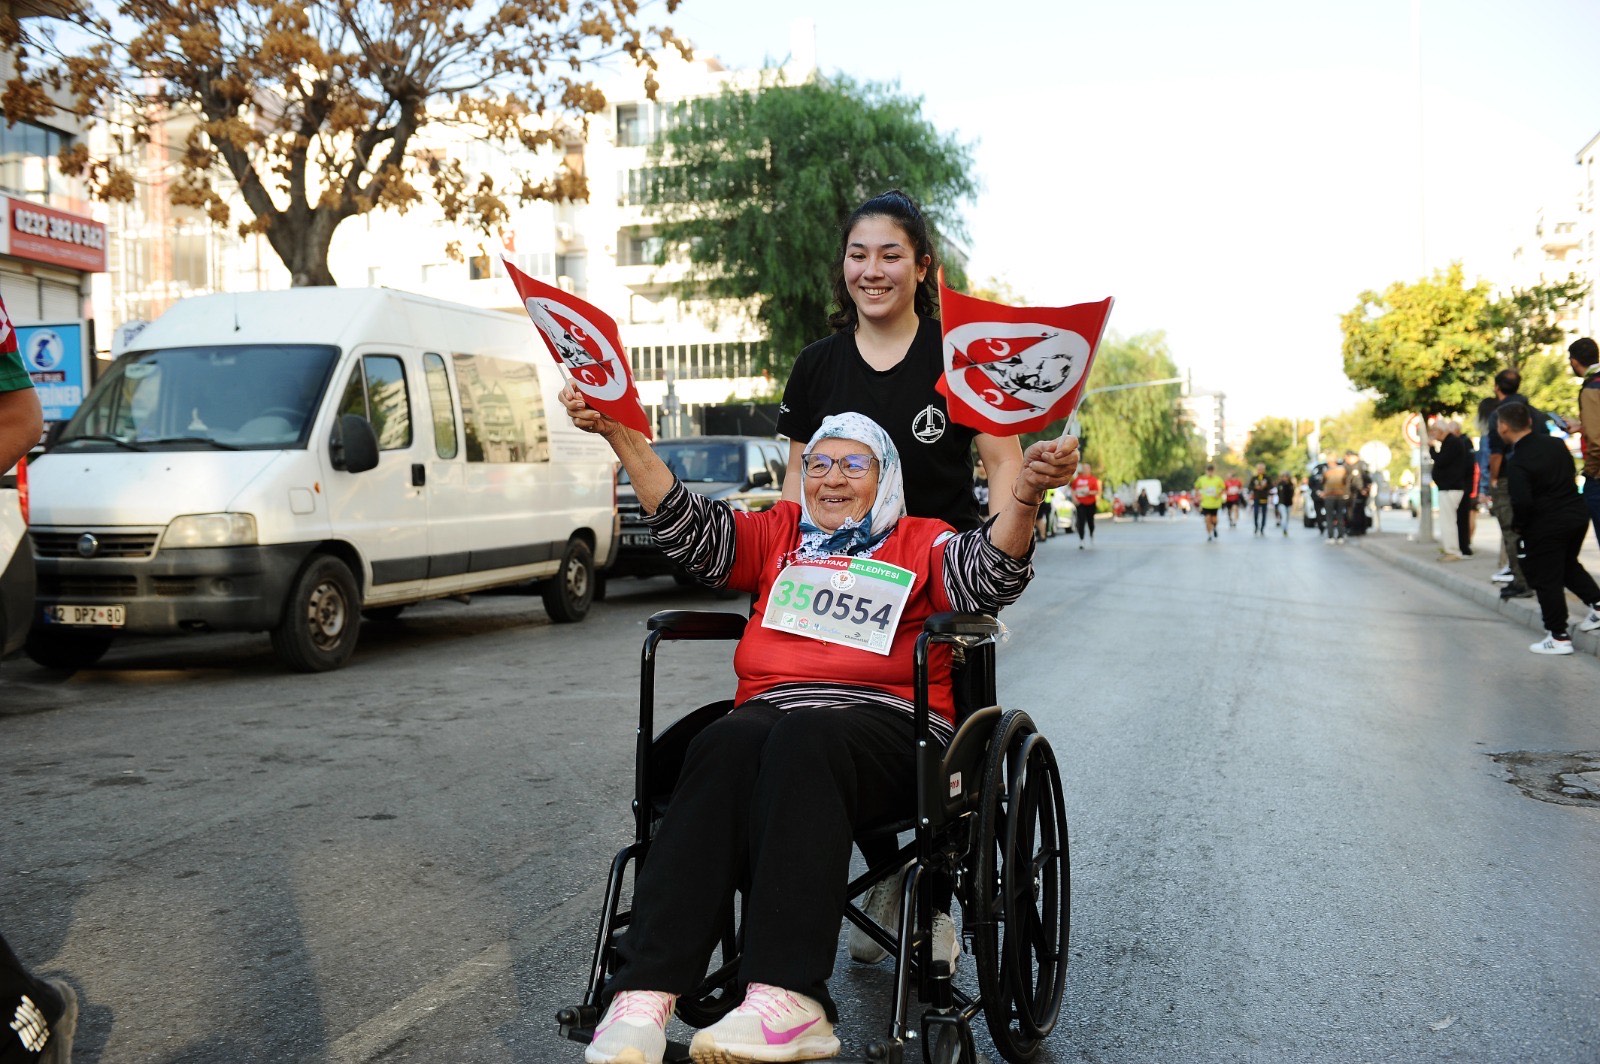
{"x": 990, "y": 825}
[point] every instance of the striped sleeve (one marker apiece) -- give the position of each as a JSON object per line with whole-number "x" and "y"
{"x": 980, "y": 577}
{"x": 696, "y": 532}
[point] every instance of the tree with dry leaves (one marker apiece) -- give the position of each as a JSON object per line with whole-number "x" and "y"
{"x": 313, "y": 112}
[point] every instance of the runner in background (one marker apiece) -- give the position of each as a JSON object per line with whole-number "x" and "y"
{"x": 1210, "y": 489}
{"x": 1085, "y": 489}
{"x": 1233, "y": 497}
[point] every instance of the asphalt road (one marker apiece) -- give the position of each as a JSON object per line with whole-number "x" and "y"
{"x": 1291, "y": 838}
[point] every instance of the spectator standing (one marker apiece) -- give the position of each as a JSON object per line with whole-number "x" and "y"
{"x": 1142, "y": 505}
{"x": 37, "y": 1016}
{"x": 1283, "y": 493}
{"x": 1584, "y": 357}
{"x": 1552, "y": 522}
{"x": 1319, "y": 505}
{"x": 1506, "y": 389}
{"x": 1260, "y": 498}
{"x": 1357, "y": 520}
{"x": 1085, "y": 488}
{"x": 1336, "y": 499}
{"x": 1452, "y": 475}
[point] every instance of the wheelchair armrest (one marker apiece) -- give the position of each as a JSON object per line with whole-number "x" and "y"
{"x": 697, "y": 624}
{"x": 962, "y": 626}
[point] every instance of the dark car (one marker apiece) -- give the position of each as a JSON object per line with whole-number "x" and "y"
{"x": 744, "y": 471}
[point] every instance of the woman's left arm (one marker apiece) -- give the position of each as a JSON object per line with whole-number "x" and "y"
{"x": 1002, "y": 461}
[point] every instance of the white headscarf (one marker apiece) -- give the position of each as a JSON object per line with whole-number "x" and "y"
{"x": 857, "y": 537}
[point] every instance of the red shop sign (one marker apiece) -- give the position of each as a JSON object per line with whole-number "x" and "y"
{"x": 45, "y": 234}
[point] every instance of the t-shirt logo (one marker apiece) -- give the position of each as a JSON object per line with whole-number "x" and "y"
{"x": 928, "y": 425}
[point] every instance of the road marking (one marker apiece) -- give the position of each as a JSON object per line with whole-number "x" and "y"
{"x": 379, "y": 1034}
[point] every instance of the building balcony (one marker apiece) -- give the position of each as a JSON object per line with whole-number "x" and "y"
{"x": 650, "y": 277}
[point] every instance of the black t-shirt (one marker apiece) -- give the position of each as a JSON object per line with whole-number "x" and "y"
{"x": 1260, "y": 489}
{"x": 1500, "y": 446}
{"x": 831, "y": 377}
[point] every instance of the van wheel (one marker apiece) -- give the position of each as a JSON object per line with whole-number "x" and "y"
{"x": 321, "y": 618}
{"x": 567, "y": 594}
{"x": 66, "y": 650}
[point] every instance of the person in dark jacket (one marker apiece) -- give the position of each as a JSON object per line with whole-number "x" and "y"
{"x": 1506, "y": 389}
{"x": 1551, "y": 520}
{"x": 1452, "y": 475}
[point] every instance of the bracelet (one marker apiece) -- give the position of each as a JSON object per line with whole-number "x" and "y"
{"x": 1035, "y": 504}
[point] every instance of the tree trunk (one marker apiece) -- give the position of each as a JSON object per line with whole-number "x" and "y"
{"x": 302, "y": 243}
{"x": 1424, "y": 484}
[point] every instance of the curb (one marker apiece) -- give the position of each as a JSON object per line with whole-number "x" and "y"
{"x": 1520, "y": 611}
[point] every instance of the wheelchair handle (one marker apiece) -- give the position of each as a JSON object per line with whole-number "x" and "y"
{"x": 697, "y": 624}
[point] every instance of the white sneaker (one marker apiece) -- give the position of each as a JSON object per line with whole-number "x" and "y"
{"x": 634, "y": 1030}
{"x": 1551, "y": 645}
{"x": 1591, "y": 622}
{"x": 1504, "y": 576}
{"x": 883, "y": 905}
{"x": 771, "y": 1024}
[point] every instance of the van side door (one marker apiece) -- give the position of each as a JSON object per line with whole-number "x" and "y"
{"x": 383, "y": 512}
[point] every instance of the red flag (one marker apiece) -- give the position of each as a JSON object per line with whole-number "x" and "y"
{"x": 584, "y": 339}
{"x": 8, "y": 335}
{"x": 1010, "y": 370}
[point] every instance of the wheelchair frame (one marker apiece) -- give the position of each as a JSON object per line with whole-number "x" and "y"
{"x": 990, "y": 815}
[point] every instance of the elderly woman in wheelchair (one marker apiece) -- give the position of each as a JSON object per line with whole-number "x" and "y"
{"x": 820, "y": 739}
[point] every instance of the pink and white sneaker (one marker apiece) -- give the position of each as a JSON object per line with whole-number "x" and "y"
{"x": 770, "y": 1024}
{"x": 634, "y": 1029}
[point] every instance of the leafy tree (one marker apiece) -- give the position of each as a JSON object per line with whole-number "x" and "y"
{"x": 1548, "y": 383}
{"x": 1526, "y": 321}
{"x": 753, "y": 184}
{"x": 1138, "y": 432}
{"x": 1421, "y": 347}
{"x": 314, "y": 112}
{"x": 1278, "y": 442}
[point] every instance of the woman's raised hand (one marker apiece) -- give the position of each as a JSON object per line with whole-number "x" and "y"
{"x": 583, "y": 417}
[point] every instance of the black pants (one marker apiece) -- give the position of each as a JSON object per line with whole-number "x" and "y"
{"x": 1469, "y": 502}
{"x": 1550, "y": 563}
{"x": 1338, "y": 509}
{"x": 1085, "y": 518}
{"x": 768, "y": 804}
{"x": 1258, "y": 513}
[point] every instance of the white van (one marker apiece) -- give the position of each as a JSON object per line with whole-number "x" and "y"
{"x": 284, "y": 461}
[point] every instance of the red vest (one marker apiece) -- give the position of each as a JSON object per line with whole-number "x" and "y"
{"x": 767, "y": 657}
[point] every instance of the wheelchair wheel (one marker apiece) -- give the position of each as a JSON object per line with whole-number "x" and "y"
{"x": 1020, "y": 889}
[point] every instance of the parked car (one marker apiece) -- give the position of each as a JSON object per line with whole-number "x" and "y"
{"x": 744, "y": 471}
{"x": 16, "y": 561}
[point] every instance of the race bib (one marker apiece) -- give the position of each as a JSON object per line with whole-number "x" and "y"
{"x": 854, "y": 602}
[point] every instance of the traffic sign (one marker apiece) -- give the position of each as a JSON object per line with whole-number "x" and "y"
{"x": 1412, "y": 430}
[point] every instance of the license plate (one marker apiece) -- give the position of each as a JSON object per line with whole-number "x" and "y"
{"x": 637, "y": 539}
{"x": 107, "y": 616}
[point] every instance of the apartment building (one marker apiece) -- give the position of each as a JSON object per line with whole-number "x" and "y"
{"x": 1585, "y": 256}
{"x": 686, "y": 354}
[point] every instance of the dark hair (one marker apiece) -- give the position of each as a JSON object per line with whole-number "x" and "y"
{"x": 1486, "y": 407}
{"x": 903, "y": 211}
{"x": 1508, "y": 381}
{"x": 1585, "y": 351}
{"x": 1514, "y": 416}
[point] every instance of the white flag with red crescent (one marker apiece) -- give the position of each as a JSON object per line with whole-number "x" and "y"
{"x": 1010, "y": 370}
{"x": 584, "y": 339}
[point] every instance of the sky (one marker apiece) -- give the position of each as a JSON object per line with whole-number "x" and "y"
{"x": 1236, "y": 172}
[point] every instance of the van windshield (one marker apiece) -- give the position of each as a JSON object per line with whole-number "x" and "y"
{"x": 250, "y": 396}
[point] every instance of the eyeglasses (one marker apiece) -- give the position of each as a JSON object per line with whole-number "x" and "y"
{"x": 855, "y": 466}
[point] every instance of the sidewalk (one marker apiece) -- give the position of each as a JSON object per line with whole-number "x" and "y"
{"x": 1469, "y": 577}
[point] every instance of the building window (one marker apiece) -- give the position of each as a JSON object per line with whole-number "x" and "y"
{"x": 638, "y": 246}
{"x": 632, "y": 126}
{"x": 28, "y": 166}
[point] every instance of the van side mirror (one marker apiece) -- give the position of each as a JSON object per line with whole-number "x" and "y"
{"x": 354, "y": 447}
{"x": 761, "y": 478}
{"x": 52, "y": 434}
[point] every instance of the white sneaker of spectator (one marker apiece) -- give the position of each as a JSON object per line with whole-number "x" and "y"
{"x": 1551, "y": 645}
{"x": 1591, "y": 622}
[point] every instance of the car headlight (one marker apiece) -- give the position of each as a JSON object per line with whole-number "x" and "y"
{"x": 211, "y": 530}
